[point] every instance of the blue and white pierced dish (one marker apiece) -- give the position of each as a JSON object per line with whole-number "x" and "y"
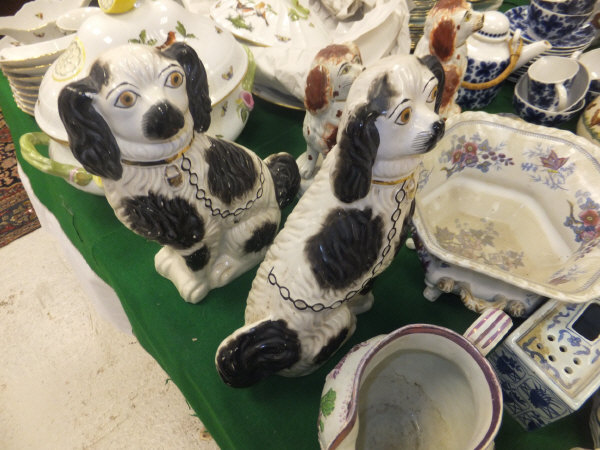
{"x": 550, "y": 365}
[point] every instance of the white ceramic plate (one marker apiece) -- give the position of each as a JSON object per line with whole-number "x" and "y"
{"x": 515, "y": 201}
{"x": 14, "y": 55}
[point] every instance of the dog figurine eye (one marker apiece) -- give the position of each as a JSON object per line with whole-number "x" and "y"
{"x": 432, "y": 95}
{"x": 345, "y": 69}
{"x": 174, "y": 80}
{"x": 404, "y": 116}
{"x": 126, "y": 99}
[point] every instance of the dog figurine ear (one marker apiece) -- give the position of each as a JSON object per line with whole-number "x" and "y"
{"x": 317, "y": 91}
{"x": 90, "y": 137}
{"x": 434, "y": 64}
{"x": 442, "y": 39}
{"x": 358, "y": 144}
{"x": 196, "y": 83}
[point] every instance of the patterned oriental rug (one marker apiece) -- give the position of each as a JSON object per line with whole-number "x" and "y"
{"x": 17, "y": 217}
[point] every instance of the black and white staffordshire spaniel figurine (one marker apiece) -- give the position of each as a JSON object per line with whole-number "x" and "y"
{"x": 345, "y": 230}
{"x": 138, "y": 121}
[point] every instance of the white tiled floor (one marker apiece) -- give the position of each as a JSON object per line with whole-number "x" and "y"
{"x": 70, "y": 380}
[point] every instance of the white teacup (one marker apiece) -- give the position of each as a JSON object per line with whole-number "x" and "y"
{"x": 419, "y": 387}
{"x": 550, "y": 78}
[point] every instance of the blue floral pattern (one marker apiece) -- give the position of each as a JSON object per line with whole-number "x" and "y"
{"x": 581, "y": 37}
{"x": 526, "y": 397}
{"x": 539, "y": 117}
{"x": 480, "y": 72}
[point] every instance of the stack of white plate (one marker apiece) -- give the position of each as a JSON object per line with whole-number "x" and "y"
{"x": 25, "y": 65}
{"x": 32, "y": 41}
{"x": 575, "y": 41}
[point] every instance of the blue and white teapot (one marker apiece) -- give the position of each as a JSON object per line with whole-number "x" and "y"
{"x": 493, "y": 54}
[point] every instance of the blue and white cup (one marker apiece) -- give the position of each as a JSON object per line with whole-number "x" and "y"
{"x": 550, "y": 78}
{"x": 551, "y": 25}
{"x": 567, "y": 6}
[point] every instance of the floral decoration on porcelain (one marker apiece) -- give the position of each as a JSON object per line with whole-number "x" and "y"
{"x": 474, "y": 152}
{"x": 547, "y": 167}
{"x": 479, "y": 244}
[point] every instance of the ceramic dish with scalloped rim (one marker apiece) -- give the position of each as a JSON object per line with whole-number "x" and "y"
{"x": 15, "y": 55}
{"x": 36, "y": 20}
{"x": 515, "y": 201}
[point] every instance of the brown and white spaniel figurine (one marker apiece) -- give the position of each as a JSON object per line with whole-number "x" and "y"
{"x": 448, "y": 25}
{"x": 331, "y": 74}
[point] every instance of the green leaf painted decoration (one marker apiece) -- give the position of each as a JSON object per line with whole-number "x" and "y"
{"x": 297, "y": 11}
{"x": 180, "y": 28}
{"x": 328, "y": 402}
{"x": 239, "y": 22}
{"x": 143, "y": 39}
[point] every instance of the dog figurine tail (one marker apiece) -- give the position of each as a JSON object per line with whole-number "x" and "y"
{"x": 286, "y": 177}
{"x": 257, "y": 351}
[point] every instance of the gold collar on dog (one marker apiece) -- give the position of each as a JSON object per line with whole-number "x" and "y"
{"x": 160, "y": 162}
{"x": 391, "y": 182}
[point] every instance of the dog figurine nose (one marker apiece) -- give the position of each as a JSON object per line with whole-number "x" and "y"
{"x": 439, "y": 128}
{"x": 162, "y": 121}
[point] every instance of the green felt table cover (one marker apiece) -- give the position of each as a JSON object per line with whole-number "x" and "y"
{"x": 278, "y": 413}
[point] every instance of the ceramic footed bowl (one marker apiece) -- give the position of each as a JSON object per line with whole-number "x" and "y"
{"x": 515, "y": 201}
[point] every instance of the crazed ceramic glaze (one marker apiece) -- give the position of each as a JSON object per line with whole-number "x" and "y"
{"x": 345, "y": 229}
{"x": 548, "y": 367}
{"x": 410, "y": 390}
{"x": 138, "y": 121}
{"x": 332, "y": 72}
{"x": 447, "y": 27}
{"x": 516, "y": 202}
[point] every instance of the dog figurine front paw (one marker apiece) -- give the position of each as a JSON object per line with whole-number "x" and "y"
{"x": 138, "y": 121}
{"x": 328, "y": 82}
{"x": 345, "y": 230}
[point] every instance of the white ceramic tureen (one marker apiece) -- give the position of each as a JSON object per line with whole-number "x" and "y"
{"x": 229, "y": 67}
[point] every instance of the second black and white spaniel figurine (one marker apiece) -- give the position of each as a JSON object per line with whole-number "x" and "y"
{"x": 344, "y": 231}
{"x": 138, "y": 121}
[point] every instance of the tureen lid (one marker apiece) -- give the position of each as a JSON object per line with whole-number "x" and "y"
{"x": 150, "y": 23}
